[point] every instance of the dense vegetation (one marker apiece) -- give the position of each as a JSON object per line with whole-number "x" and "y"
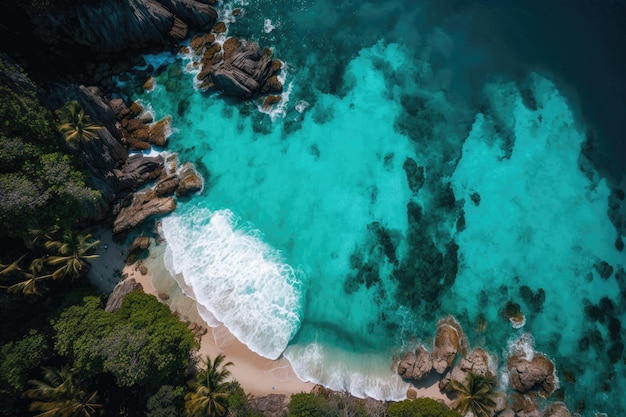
{"x": 41, "y": 182}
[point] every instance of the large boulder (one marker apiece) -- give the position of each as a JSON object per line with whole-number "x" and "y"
{"x": 124, "y": 26}
{"x": 536, "y": 374}
{"x": 190, "y": 180}
{"x": 120, "y": 291}
{"x": 241, "y": 70}
{"x": 449, "y": 340}
{"x": 415, "y": 365}
{"x": 137, "y": 171}
{"x": 272, "y": 405}
{"x": 144, "y": 204}
{"x": 476, "y": 362}
{"x": 557, "y": 410}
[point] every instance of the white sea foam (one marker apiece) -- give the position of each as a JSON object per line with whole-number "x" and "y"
{"x": 522, "y": 347}
{"x": 362, "y": 375}
{"x": 301, "y": 105}
{"x": 268, "y": 26}
{"x": 236, "y": 277}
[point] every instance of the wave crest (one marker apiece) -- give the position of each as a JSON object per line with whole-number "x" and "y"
{"x": 240, "y": 280}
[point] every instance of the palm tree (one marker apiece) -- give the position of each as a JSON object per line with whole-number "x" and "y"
{"x": 71, "y": 254}
{"x": 209, "y": 395}
{"x": 475, "y": 395}
{"x": 30, "y": 284}
{"x": 75, "y": 125}
{"x": 60, "y": 395}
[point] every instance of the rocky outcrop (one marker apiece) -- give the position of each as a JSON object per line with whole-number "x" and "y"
{"x": 524, "y": 406}
{"x": 140, "y": 244}
{"x": 536, "y": 374}
{"x": 273, "y": 405}
{"x": 476, "y": 362}
{"x": 238, "y": 68}
{"x": 124, "y": 26}
{"x": 190, "y": 181}
{"x": 557, "y": 410}
{"x": 449, "y": 340}
{"x": 415, "y": 365}
{"x": 120, "y": 291}
{"x": 137, "y": 171}
{"x": 144, "y": 204}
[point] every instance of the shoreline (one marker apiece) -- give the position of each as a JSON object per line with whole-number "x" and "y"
{"x": 257, "y": 375}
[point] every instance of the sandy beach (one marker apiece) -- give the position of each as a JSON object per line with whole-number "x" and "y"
{"x": 257, "y": 375}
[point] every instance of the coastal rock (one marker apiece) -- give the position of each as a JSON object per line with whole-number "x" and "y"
{"x": 97, "y": 25}
{"x": 119, "y": 292}
{"x": 219, "y": 27}
{"x": 524, "y": 406}
{"x": 137, "y": 171}
{"x": 158, "y": 132}
{"x": 415, "y": 365}
{"x": 476, "y": 362}
{"x": 270, "y": 101}
{"x": 140, "y": 244}
{"x": 557, "y": 410}
{"x": 190, "y": 180}
{"x": 243, "y": 70}
{"x": 449, "y": 340}
{"x": 144, "y": 204}
{"x": 537, "y": 374}
{"x": 201, "y": 41}
{"x": 167, "y": 185}
{"x": 273, "y": 405}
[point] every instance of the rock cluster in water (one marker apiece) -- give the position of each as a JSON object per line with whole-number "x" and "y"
{"x": 528, "y": 377}
{"x": 237, "y": 67}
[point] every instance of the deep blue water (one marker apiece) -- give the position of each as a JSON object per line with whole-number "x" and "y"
{"x": 427, "y": 158}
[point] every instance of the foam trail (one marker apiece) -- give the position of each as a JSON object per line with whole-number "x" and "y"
{"x": 241, "y": 281}
{"x": 362, "y": 375}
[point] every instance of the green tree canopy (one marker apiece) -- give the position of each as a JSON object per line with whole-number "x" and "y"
{"x": 420, "y": 407}
{"x": 142, "y": 343}
{"x": 40, "y": 182}
{"x": 308, "y": 405}
{"x": 19, "y": 359}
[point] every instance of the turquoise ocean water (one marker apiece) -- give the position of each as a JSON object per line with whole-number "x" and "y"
{"x": 416, "y": 167}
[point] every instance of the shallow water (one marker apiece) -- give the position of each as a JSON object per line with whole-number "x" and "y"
{"x": 416, "y": 167}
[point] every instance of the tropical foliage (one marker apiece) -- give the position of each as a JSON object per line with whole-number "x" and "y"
{"x": 308, "y": 405}
{"x": 420, "y": 407}
{"x": 76, "y": 126}
{"x": 209, "y": 389}
{"x": 476, "y": 394}
{"x": 66, "y": 255}
{"x": 60, "y": 394}
{"x": 142, "y": 343}
{"x": 41, "y": 184}
{"x": 19, "y": 358}
{"x": 70, "y": 254}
